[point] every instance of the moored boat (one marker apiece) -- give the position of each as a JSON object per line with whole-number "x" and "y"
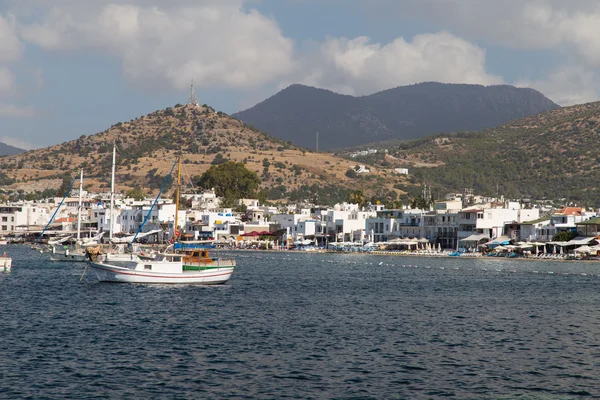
{"x": 193, "y": 266}
{"x": 5, "y": 263}
{"x": 165, "y": 268}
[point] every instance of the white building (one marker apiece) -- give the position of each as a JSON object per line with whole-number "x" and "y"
{"x": 206, "y": 200}
{"x": 287, "y": 221}
{"x": 489, "y": 220}
{"x": 130, "y": 218}
{"x": 305, "y": 228}
{"x": 361, "y": 169}
{"x": 391, "y": 224}
{"x": 17, "y": 217}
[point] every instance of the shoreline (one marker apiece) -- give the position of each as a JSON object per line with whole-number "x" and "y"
{"x": 392, "y": 254}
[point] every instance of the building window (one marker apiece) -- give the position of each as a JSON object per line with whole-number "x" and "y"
{"x": 4, "y": 219}
{"x": 12, "y": 219}
{"x": 4, "y": 227}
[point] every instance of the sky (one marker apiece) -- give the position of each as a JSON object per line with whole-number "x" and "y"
{"x": 75, "y": 67}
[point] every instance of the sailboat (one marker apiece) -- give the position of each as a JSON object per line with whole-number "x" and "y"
{"x": 76, "y": 254}
{"x": 168, "y": 267}
{"x": 5, "y": 262}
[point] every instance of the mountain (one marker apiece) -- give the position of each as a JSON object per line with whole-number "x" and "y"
{"x": 549, "y": 155}
{"x": 7, "y": 150}
{"x": 148, "y": 147}
{"x": 298, "y": 112}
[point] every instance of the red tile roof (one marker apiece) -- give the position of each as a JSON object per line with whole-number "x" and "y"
{"x": 64, "y": 219}
{"x": 569, "y": 211}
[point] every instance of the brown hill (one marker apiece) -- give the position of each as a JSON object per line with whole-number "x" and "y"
{"x": 148, "y": 145}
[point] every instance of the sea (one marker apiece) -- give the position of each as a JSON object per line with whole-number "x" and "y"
{"x": 305, "y": 326}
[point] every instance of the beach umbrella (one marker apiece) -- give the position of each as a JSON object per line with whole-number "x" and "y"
{"x": 583, "y": 249}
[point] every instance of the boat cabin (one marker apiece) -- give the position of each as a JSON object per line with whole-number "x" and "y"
{"x": 197, "y": 256}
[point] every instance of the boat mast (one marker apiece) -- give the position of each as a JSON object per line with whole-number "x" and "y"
{"x": 79, "y": 209}
{"x": 153, "y": 204}
{"x": 55, "y": 211}
{"x": 175, "y": 225}
{"x": 112, "y": 193}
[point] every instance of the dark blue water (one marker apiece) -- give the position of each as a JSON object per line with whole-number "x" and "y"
{"x": 306, "y": 326}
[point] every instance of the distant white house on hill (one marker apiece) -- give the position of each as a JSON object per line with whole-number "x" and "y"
{"x": 362, "y": 169}
{"x": 401, "y": 171}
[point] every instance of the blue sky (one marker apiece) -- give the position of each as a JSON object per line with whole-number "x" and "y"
{"x": 77, "y": 66}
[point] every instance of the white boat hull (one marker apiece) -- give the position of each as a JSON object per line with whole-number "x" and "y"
{"x": 70, "y": 257}
{"x": 5, "y": 264}
{"x": 111, "y": 273}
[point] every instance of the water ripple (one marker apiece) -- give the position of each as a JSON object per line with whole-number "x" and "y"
{"x": 306, "y": 326}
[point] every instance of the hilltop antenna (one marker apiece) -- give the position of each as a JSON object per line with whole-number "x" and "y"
{"x": 317, "y": 148}
{"x": 193, "y": 100}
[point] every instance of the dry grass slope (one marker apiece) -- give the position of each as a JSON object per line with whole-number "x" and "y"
{"x": 148, "y": 145}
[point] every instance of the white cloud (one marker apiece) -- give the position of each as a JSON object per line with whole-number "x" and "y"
{"x": 12, "y": 141}
{"x": 567, "y": 85}
{"x": 569, "y": 30}
{"x": 358, "y": 67}
{"x": 216, "y": 43}
{"x": 11, "y": 48}
{"x": 7, "y": 81}
{"x": 11, "y": 110}
{"x": 532, "y": 24}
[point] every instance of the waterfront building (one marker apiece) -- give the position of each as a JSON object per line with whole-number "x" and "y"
{"x": 18, "y": 217}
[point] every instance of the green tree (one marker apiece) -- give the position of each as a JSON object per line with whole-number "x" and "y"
{"x": 420, "y": 203}
{"x": 357, "y": 197}
{"x": 262, "y": 196}
{"x": 564, "y": 236}
{"x": 351, "y": 173}
{"x": 232, "y": 181}
{"x": 219, "y": 159}
{"x": 66, "y": 183}
{"x": 136, "y": 193}
{"x": 183, "y": 203}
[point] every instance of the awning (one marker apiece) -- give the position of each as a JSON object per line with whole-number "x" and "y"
{"x": 475, "y": 238}
{"x": 583, "y": 249}
{"x": 561, "y": 244}
{"x": 580, "y": 241}
{"x": 503, "y": 240}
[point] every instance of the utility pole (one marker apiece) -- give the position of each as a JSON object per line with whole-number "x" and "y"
{"x": 317, "y": 148}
